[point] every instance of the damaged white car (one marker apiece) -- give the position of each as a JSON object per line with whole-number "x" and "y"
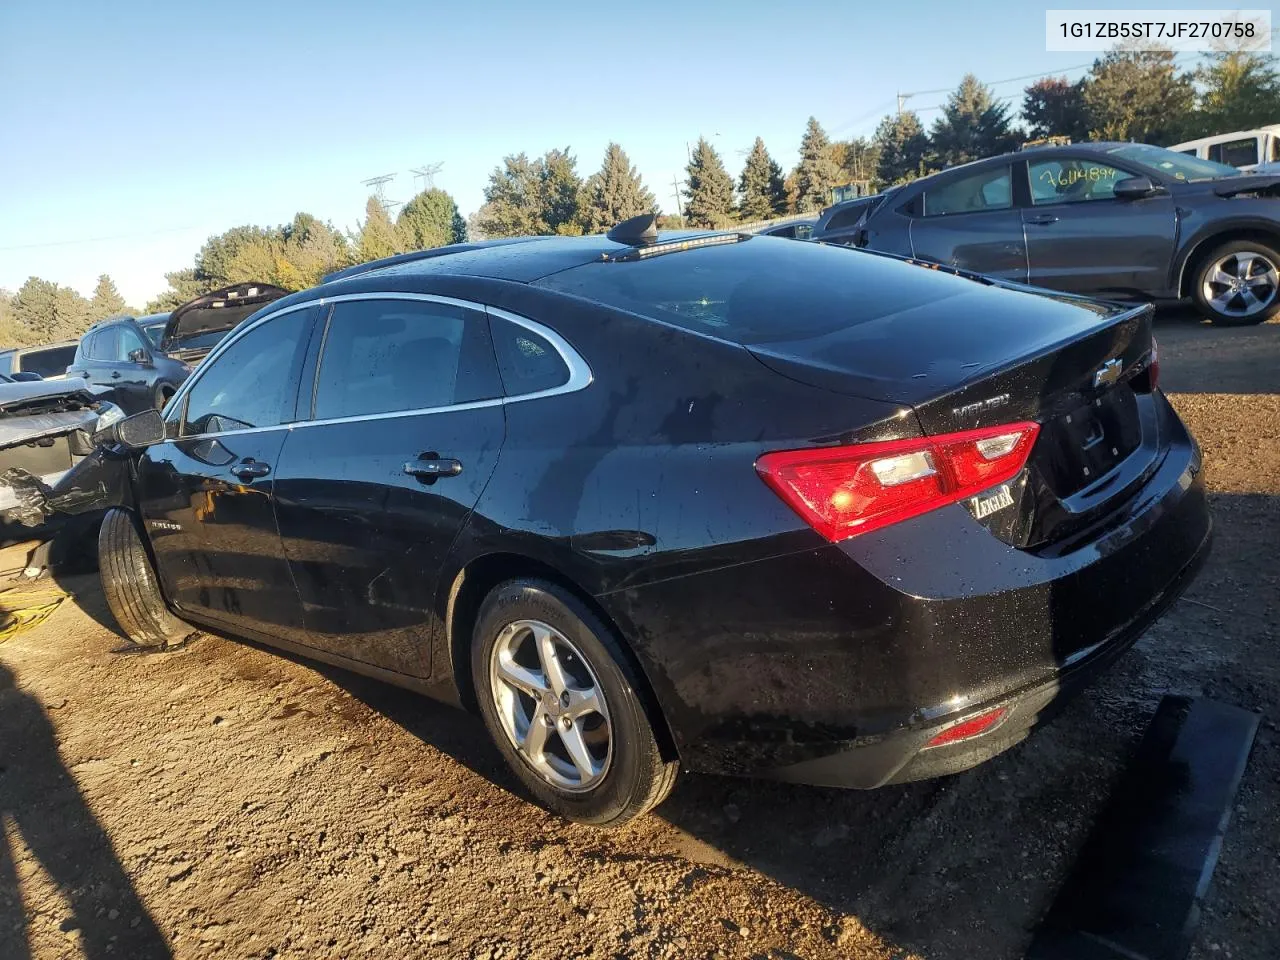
{"x": 46, "y": 428}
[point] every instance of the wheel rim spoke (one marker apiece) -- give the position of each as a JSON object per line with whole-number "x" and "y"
{"x": 576, "y": 747}
{"x": 1242, "y": 284}
{"x": 1251, "y": 302}
{"x": 1220, "y": 277}
{"x": 550, "y": 705}
{"x": 1223, "y": 301}
{"x": 1243, "y": 266}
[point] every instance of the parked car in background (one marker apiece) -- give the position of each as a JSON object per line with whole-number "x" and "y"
{"x": 869, "y": 524}
{"x": 1244, "y": 149}
{"x": 49, "y": 361}
{"x": 117, "y": 355}
{"x": 791, "y": 230}
{"x": 46, "y": 428}
{"x": 196, "y": 327}
{"x": 1116, "y": 220}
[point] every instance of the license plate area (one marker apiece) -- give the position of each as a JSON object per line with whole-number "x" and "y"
{"x": 1085, "y": 445}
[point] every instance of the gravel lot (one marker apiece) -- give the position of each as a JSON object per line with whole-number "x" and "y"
{"x": 226, "y": 801}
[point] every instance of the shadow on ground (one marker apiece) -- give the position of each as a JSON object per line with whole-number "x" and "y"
{"x": 1198, "y": 357}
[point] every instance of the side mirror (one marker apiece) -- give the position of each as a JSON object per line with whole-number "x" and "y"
{"x": 134, "y": 433}
{"x": 25, "y": 376}
{"x": 139, "y": 356}
{"x": 1135, "y": 188}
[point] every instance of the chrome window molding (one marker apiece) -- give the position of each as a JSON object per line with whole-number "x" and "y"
{"x": 580, "y": 375}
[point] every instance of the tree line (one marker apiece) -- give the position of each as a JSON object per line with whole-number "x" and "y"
{"x": 1126, "y": 95}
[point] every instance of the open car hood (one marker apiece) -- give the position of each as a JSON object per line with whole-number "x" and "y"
{"x": 1263, "y": 183}
{"x": 215, "y": 313}
{"x": 40, "y": 395}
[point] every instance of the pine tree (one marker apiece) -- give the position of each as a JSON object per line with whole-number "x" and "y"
{"x": 856, "y": 158}
{"x": 459, "y": 228}
{"x": 106, "y": 300}
{"x": 1241, "y": 90}
{"x": 760, "y": 188}
{"x": 428, "y": 220}
{"x": 709, "y": 189}
{"x": 972, "y": 126}
{"x": 1138, "y": 95}
{"x": 377, "y": 238}
{"x": 614, "y": 193}
{"x": 560, "y": 193}
{"x": 513, "y": 204}
{"x": 48, "y": 312}
{"x": 903, "y": 148}
{"x": 1052, "y": 107}
{"x": 817, "y": 172}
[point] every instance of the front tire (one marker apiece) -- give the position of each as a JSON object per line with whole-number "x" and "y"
{"x": 129, "y": 583}
{"x": 1238, "y": 284}
{"x": 163, "y": 394}
{"x": 559, "y": 698}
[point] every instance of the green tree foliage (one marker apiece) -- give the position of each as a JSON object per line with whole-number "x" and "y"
{"x": 1240, "y": 90}
{"x": 377, "y": 237}
{"x": 614, "y": 193}
{"x": 48, "y": 313}
{"x": 973, "y": 125}
{"x": 1052, "y": 107}
{"x": 560, "y": 193}
{"x": 512, "y": 207}
{"x": 1138, "y": 95}
{"x": 106, "y": 300}
{"x": 856, "y": 158}
{"x": 817, "y": 171}
{"x": 12, "y": 333}
{"x": 761, "y": 191}
{"x": 903, "y": 148}
{"x": 430, "y": 219}
{"x": 709, "y": 189}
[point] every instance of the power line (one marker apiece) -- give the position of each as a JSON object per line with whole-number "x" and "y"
{"x": 118, "y": 236}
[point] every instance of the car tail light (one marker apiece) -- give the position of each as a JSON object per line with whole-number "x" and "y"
{"x": 845, "y": 491}
{"x": 1153, "y": 370}
{"x": 967, "y": 729}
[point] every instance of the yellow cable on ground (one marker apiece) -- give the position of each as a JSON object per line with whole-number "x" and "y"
{"x": 23, "y": 607}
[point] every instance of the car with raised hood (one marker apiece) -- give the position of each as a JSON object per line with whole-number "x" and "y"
{"x": 1116, "y": 220}
{"x": 46, "y": 428}
{"x": 195, "y": 328}
{"x": 736, "y": 504}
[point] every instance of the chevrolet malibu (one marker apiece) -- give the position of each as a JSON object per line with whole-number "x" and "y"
{"x": 721, "y": 503}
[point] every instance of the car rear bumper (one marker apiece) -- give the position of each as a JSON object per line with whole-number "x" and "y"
{"x": 838, "y": 665}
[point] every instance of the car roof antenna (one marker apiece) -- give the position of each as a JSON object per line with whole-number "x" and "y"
{"x": 637, "y": 231}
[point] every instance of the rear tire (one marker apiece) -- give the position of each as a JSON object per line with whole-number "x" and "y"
{"x": 164, "y": 392}
{"x": 129, "y": 583}
{"x": 1253, "y": 268}
{"x": 633, "y": 776}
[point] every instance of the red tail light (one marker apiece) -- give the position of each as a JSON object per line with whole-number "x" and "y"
{"x": 845, "y": 491}
{"x": 967, "y": 729}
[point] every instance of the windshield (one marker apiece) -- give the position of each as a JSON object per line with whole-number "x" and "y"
{"x": 1173, "y": 164}
{"x": 154, "y": 331}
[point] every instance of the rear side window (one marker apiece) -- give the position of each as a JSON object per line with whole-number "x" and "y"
{"x": 252, "y": 383}
{"x": 389, "y": 356}
{"x": 988, "y": 190}
{"x": 102, "y": 344}
{"x": 527, "y": 361}
{"x": 1235, "y": 153}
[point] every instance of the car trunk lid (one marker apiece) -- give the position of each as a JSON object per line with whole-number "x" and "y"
{"x": 196, "y": 327}
{"x": 1079, "y": 369}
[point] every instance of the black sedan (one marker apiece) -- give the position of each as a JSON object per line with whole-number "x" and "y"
{"x": 734, "y": 504}
{"x": 1120, "y": 220}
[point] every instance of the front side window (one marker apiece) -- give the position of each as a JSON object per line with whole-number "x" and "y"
{"x": 389, "y": 356}
{"x": 1235, "y": 153}
{"x": 989, "y": 190}
{"x": 1073, "y": 180}
{"x": 126, "y": 343}
{"x": 250, "y": 384}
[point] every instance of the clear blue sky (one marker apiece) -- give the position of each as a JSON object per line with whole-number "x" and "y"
{"x": 131, "y": 131}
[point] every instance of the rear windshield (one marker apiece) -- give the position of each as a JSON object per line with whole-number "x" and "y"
{"x": 761, "y": 290}
{"x": 49, "y": 363}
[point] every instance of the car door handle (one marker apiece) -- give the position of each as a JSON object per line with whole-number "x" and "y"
{"x": 1043, "y": 219}
{"x": 429, "y": 468}
{"x": 115, "y": 374}
{"x": 249, "y": 468}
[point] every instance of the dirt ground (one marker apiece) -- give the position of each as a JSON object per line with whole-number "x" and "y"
{"x": 227, "y": 801}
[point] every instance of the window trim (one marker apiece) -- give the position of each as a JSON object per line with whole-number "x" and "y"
{"x": 580, "y": 376}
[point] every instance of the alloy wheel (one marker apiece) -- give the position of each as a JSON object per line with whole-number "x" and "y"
{"x": 1242, "y": 284}
{"x": 550, "y": 705}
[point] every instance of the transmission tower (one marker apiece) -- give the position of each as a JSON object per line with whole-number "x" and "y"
{"x": 427, "y": 174}
{"x": 378, "y": 184}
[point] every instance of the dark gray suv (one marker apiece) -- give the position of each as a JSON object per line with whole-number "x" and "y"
{"x": 1117, "y": 220}
{"x": 118, "y": 354}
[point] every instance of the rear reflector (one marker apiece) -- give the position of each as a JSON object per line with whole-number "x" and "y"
{"x": 965, "y": 729}
{"x": 845, "y": 491}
